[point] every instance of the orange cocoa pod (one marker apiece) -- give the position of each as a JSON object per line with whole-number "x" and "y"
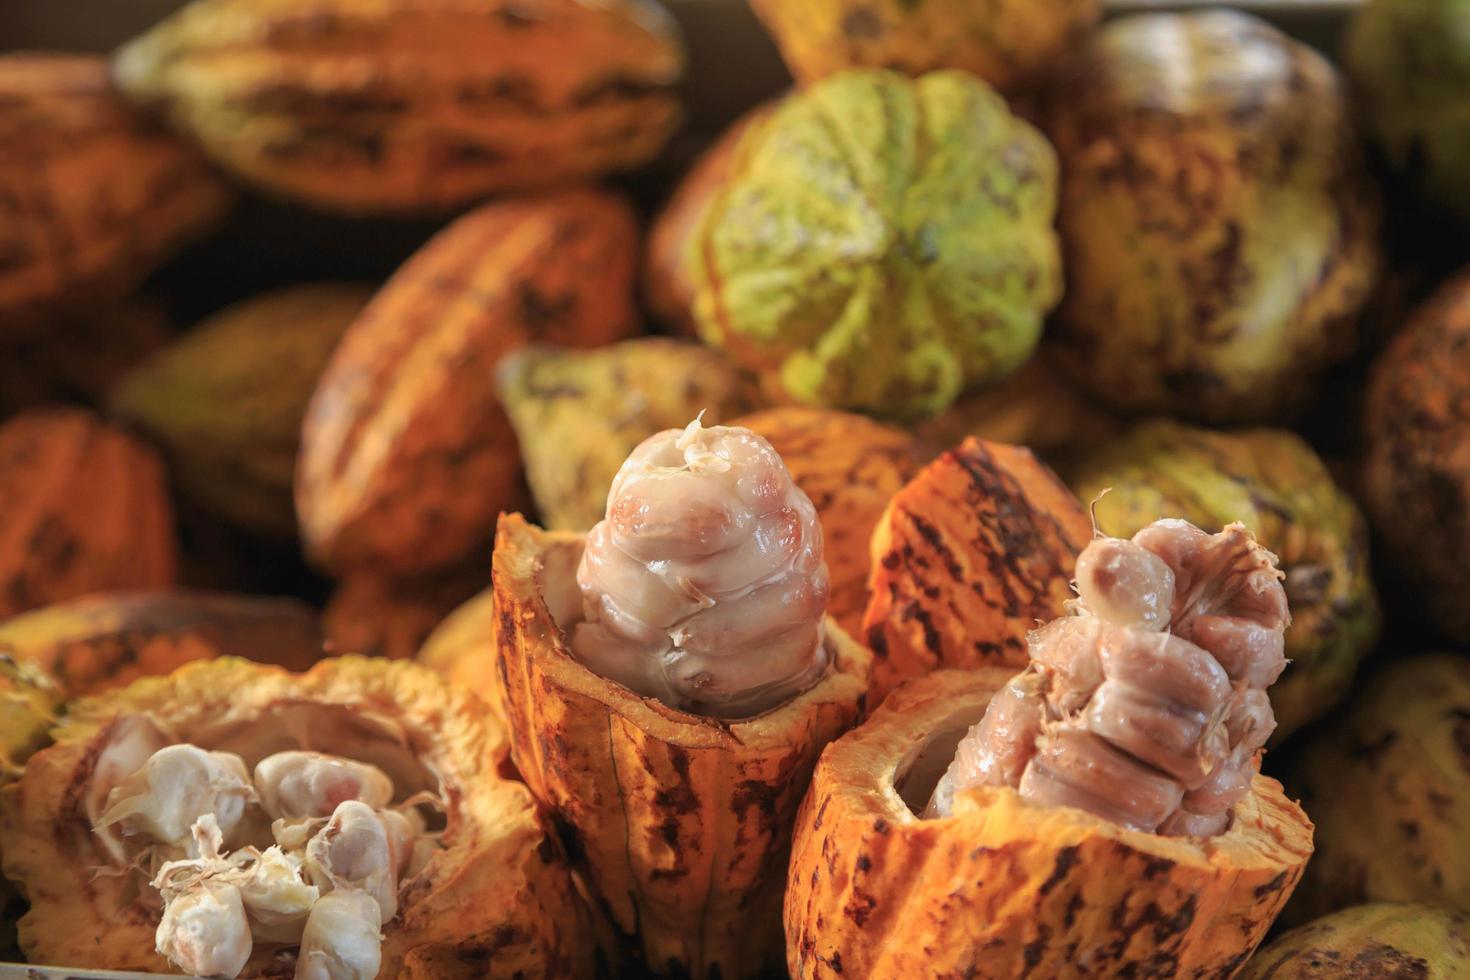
{"x": 1006, "y": 889}
{"x": 680, "y": 824}
{"x": 94, "y": 195}
{"x": 406, "y": 455}
{"x": 969, "y": 557}
{"x": 850, "y": 466}
{"x": 86, "y": 510}
{"x": 108, "y": 640}
{"x": 667, "y": 283}
{"x": 384, "y": 617}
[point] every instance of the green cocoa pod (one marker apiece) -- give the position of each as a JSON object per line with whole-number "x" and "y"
{"x": 882, "y": 243}
{"x": 1388, "y": 786}
{"x": 226, "y": 401}
{"x": 1410, "y": 62}
{"x": 1383, "y": 941}
{"x": 1271, "y": 481}
{"x": 1220, "y": 235}
{"x": 578, "y": 414}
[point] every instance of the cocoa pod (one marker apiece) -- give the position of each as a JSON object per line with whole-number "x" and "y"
{"x": 93, "y": 195}
{"x": 680, "y": 823}
{"x": 398, "y": 107}
{"x": 406, "y": 455}
{"x": 384, "y": 617}
{"x": 87, "y": 510}
{"x": 850, "y": 466}
{"x": 1003, "y": 888}
{"x": 226, "y": 400}
{"x": 112, "y": 639}
{"x": 967, "y": 558}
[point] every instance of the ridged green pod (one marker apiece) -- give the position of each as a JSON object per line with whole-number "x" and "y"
{"x": 1274, "y": 483}
{"x": 882, "y": 243}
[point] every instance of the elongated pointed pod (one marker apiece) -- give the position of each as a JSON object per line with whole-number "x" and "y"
{"x": 1002, "y": 888}
{"x": 679, "y": 822}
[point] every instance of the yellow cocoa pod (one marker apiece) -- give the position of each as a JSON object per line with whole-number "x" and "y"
{"x": 1383, "y": 941}
{"x": 225, "y": 401}
{"x": 413, "y": 105}
{"x": 1220, "y": 233}
{"x": 1009, "y": 43}
{"x": 578, "y": 414}
{"x": 406, "y": 454}
{"x": 112, "y": 639}
{"x": 1388, "y": 783}
{"x": 29, "y": 703}
{"x": 93, "y": 195}
{"x": 680, "y": 823}
{"x": 967, "y": 559}
{"x": 850, "y": 466}
{"x": 87, "y": 510}
{"x": 386, "y": 617}
{"x": 491, "y": 898}
{"x": 1003, "y": 888}
{"x": 462, "y": 646}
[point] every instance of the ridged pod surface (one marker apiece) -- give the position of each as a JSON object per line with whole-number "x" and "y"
{"x": 414, "y": 105}
{"x": 668, "y": 276}
{"x": 386, "y": 617}
{"x": 226, "y": 400}
{"x": 1219, "y": 234}
{"x": 1275, "y": 484}
{"x": 679, "y": 823}
{"x": 406, "y": 454}
{"x": 882, "y": 243}
{"x": 1416, "y": 460}
{"x": 86, "y": 510}
{"x": 109, "y": 640}
{"x": 967, "y": 559}
{"x": 1009, "y": 43}
{"x": 850, "y": 466}
{"x": 1003, "y": 889}
{"x": 578, "y": 414}
{"x": 1410, "y": 66}
{"x": 494, "y": 900}
{"x": 1383, "y": 941}
{"x": 1389, "y": 786}
{"x": 93, "y": 195}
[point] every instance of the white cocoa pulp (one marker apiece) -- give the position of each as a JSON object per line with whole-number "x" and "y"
{"x": 1147, "y": 706}
{"x": 704, "y": 586}
{"x": 327, "y": 885}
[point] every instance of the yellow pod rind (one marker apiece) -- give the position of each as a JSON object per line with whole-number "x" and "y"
{"x": 494, "y": 901}
{"x": 679, "y": 823}
{"x": 1370, "y": 942}
{"x": 1003, "y": 889}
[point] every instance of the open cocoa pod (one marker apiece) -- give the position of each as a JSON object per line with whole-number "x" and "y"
{"x": 478, "y": 889}
{"x": 680, "y": 823}
{"x": 1002, "y": 888}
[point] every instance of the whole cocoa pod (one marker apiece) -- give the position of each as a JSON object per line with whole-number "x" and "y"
{"x": 383, "y": 617}
{"x": 226, "y": 400}
{"x": 93, "y": 195}
{"x": 79, "y": 357}
{"x": 360, "y": 106}
{"x": 86, "y": 510}
{"x": 406, "y": 455}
